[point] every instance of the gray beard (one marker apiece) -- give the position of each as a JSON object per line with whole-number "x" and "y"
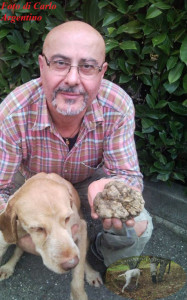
{"x": 68, "y": 111}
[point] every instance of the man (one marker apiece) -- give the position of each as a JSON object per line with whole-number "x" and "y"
{"x": 158, "y": 268}
{"x": 71, "y": 121}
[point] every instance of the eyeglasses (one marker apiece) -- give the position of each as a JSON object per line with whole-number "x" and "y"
{"x": 63, "y": 68}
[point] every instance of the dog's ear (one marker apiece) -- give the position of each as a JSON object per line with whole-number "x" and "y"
{"x": 8, "y": 224}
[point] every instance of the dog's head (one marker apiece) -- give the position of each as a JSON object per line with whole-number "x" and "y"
{"x": 45, "y": 209}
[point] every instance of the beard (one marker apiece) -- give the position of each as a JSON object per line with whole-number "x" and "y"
{"x": 69, "y": 109}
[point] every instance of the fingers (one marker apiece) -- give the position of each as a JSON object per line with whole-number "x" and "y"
{"x": 90, "y": 200}
{"x": 130, "y": 223}
{"x": 107, "y": 223}
{"x": 117, "y": 223}
{"x": 113, "y": 222}
{"x": 93, "y": 213}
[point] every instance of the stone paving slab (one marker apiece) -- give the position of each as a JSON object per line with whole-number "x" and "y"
{"x": 167, "y": 201}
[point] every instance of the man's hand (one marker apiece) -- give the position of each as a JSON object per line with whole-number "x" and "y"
{"x": 27, "y": 245}
{"x": 98, "y": 186}
{"x": 116, "y": 223}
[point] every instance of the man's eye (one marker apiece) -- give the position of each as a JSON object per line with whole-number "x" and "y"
{"x": 88, "y": 67}
{"x": 60, "y": 63}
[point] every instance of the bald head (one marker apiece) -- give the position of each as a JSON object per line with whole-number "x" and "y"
{"x": 76, "y": 34}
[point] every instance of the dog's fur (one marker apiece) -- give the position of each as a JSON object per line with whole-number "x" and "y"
{"x": 47, "y": 207}
{"x": 129, "y": 275}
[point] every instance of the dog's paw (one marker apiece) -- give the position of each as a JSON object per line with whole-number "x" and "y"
{"x": 5, "y": 272}
{"x": 93, "y": 278}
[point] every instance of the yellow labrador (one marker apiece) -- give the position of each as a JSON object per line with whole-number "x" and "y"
{"x": 47, "y": 207}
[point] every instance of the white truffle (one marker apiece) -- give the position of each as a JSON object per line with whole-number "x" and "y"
{"x": 118, "y": 201}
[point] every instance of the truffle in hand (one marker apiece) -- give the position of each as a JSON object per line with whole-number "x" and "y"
{"x": 118, "y": 201}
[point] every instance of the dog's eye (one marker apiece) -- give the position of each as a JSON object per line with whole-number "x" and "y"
{"x": 38, "y": 229}
{"x": 67, "y": 220}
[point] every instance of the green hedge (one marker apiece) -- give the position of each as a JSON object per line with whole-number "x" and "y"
{"x": 146, "y": 46}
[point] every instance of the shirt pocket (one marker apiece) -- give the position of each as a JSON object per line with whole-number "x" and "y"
{"x": 90, "y": 165}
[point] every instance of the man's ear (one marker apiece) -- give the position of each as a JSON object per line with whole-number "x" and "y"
{"x": 105, "y": 66}
{"x": 8, "y": 224}
{"x": 41, "y": 62}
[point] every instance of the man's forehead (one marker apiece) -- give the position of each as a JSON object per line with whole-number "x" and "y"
{"x": 69, "y": 59}
{"x": 69, "y": 37}
{"x": 74, "y": 41}
{"x": 74, "y": 53}
{"x": 75, "y": 28}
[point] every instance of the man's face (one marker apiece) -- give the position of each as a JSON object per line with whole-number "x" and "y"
{"x": 71, "y": 94}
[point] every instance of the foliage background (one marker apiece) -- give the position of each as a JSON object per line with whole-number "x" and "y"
{"x": 146, "y": 46}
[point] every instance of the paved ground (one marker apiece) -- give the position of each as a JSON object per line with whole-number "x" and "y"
{"x": 33, "y": 281}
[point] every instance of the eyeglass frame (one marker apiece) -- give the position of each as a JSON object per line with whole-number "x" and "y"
{"x": 48, "y": 62}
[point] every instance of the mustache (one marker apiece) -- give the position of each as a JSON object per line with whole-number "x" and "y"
{"x": 70, "y": 89}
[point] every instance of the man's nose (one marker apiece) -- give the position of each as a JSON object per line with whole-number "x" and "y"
{"x": 72, "y": 77}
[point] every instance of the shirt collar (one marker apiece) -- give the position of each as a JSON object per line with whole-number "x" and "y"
{"x": 94, "y": 115}
{"x": 43, "y": 119}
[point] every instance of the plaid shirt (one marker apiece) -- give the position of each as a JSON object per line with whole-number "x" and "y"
{"x": 29, "y": 141}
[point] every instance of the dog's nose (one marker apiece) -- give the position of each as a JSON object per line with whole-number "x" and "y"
{"x": 69, "y": 264}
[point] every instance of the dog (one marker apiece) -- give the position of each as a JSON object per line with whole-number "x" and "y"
{"x": 129, "y": 275}
{"x": 47, "y": 207}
